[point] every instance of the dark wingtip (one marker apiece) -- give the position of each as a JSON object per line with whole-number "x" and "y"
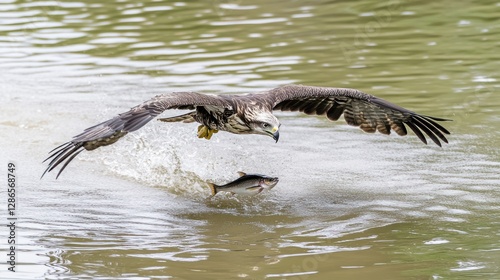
{"x": 438, "y": 119}
{"x": 67, "y": 162}
{"x": 421, "y": 124}
{"x": 44, "y": 172}
{"x": 417, "y": 132}
{"x": 53, "y": 152}
{"x": 64, "y": 154}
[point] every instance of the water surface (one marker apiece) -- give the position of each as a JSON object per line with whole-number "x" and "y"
{"x": 348, "y": 205}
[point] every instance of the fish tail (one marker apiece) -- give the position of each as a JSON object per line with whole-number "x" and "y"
{"x": 213, "y": 188}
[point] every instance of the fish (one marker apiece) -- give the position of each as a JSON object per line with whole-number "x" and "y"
{"x": 246, "y": 184}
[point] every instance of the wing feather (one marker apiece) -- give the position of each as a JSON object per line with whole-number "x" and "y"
{"x": 110, "y": 131}
{"x": 427, "y": 131}
{"x": 335, "y": 111}
{"x": 431, "y": 125}
{"x": 323, "y": 106}
{"x": 368, "y": 112}
{"x": 417, "y": 132}
{"x": 310, "y": 108}
{"x": 295, "y": 105}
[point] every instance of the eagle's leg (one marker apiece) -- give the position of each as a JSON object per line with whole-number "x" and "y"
{"x": 206, "y": 132}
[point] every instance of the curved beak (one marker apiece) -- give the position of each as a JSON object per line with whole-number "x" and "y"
{"x": 276, "y": 135}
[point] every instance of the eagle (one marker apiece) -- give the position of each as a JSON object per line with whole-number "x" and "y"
{"x": 253, "y": 114}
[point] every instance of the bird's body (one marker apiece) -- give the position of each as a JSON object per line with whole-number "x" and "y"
{"x": 253, "y": 114}
{"x": 233, "y": 117}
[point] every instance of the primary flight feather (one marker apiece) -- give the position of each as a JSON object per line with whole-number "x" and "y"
{"x": 253, "y": 114}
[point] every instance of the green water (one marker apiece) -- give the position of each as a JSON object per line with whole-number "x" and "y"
{"x": 349, "y": 205}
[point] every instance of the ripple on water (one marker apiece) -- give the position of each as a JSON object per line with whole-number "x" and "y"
{"x": 467, "y": 266}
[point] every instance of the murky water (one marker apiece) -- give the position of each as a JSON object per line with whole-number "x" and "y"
{"x": 348, "y": 205}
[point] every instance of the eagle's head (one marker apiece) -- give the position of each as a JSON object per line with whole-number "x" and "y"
{"x": 266, "y": 123}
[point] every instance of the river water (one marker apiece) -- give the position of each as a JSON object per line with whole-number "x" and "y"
{"x": 349, "y": 205}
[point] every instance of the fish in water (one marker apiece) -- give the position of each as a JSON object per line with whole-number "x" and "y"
{"x": 248, "y": 184}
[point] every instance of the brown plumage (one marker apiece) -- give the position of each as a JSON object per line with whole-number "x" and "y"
{"x": 252, "y": 114}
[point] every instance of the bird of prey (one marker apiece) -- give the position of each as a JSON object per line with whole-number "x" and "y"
{"x": 253, "y": 114}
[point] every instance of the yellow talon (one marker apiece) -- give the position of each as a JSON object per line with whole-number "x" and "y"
{"x": 205, "y": 132}
{"x": 202, "y": 131}
{"x": 210, "y": 133}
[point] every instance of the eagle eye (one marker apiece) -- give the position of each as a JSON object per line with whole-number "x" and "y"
{"x": 265, "y": 125}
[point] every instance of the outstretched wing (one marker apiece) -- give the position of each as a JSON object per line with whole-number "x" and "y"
{"x": 368, "y": 112}
{"x": 112, "y": 130}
